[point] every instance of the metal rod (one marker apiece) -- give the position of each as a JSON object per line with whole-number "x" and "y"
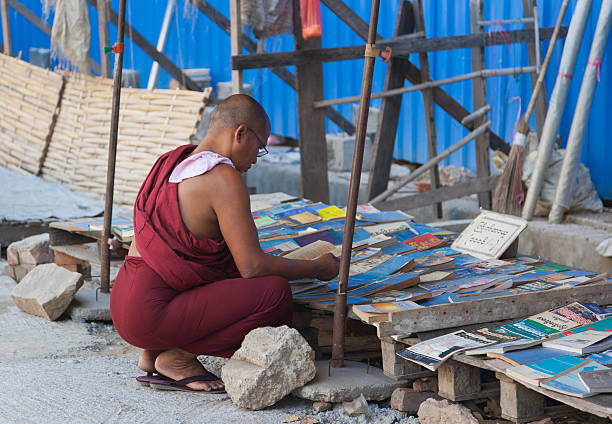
{"x": 536, "y": 28}
{"x": 351, "y": 206}
{"x": 418, "y": 34}
{"x": 432, "y": 162}
{"x": 566, "y": 184}
{"x": 485, "y": 73}
{"x": 112, "y": 154}
{"x": 6, "y": 29}
{"x": 161, "y": 43}
{"x": 506, "y": 21}
{"x": 102, "y": 7}
{"x": 476, "y": 114}
{"x": 557, "y": 104}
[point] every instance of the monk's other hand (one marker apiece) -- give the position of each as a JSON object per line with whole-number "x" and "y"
{"x": 329, "y": 267}
{"x": 113, "y": 243}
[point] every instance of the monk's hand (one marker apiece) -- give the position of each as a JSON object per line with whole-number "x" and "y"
{"x": 113, "y": 243}
{"x": 328, "y": 267}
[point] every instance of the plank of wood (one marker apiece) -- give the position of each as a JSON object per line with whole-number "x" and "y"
{"x": 163, "y": 60}
{"x": 441, "y": 97}
{"x": 492, "y": 309}
{"x": 430, "y": 123}
{"x": 311, "y": 125}
{"x": 105, "y": 67}
{"x": 235, "y": 42}
{"x": 42, "y": 25}
{"x": 540, "y": 107}
{"x": 479, "y": 93}
{"x": 400, "y": 48}
{"x": 283, "y": 73}
{"x": 439, "y": 195}
{"x": 386, "y": 132}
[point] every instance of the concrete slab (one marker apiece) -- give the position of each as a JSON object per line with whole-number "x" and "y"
{"x": 345, "y": 384}
{"x": 86, "y": 307}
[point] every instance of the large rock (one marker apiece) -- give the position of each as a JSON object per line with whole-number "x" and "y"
{"x": 47, "y": 291}
{"x": 408, "y": 400}
{"x": 271, "y": 362}
{"x": 32, "y": 250}
{"x": 442, "y": 411}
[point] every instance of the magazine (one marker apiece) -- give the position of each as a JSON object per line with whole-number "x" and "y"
{"x": 585, "y": 342}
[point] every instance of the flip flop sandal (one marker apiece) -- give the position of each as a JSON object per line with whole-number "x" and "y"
{"x": 145, "y": 380}
{"x": 181, "y": 385}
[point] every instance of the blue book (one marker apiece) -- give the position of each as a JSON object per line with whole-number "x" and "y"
{"x": 385, "y": 216}
{"x": 436, "y": 300}
{"x": 571, "y": 384}
{"x": 539, "y": 370}
{"x": 527, "y": 356}
{"x": 397, "y": 249}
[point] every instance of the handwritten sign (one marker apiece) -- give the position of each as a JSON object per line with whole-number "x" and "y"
{"x": 489, "y": 235}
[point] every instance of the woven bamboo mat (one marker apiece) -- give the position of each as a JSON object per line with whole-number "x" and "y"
{"x": 151, "y": 123}
{"x": 29, "y": 99}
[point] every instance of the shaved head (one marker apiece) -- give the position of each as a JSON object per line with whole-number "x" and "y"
{"x": 240, "y": 109}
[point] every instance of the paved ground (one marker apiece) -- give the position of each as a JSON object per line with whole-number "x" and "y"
{"x": 63, "y": 371}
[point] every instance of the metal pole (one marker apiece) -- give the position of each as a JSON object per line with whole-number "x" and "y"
{"x": 6, "y": 29}
{"x": 161, "y": 43}
{"x": 351, "y": 207}
{"x": 557, "y": 104}
{"x": 566, "y": 185}
{"x": 112, "y": 153}
{"x": 105, "y": 70}
{"x": 432, "y": 162}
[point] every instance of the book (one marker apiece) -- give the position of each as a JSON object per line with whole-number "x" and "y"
{"x": 570, "y": 383}
{"x": 311, "y": 251}
{"x": 376, "y": 312}
{"x": 505, "y": 347}
{"x": 360, "y": 255}
{"x": 263, "y": 221}
{"x": 433, "y": 352}
{"x": 585, "y": 342}
{"x": 527, "y": 356}
{"x": 435, "y": 261}
{"x": 424, "y": 242}
{"x": 386, "y": 216}
{"x": 125, "y": 232}
{"x": 331, "y": 212}
{"x": 578, "y": 313}
{"x": 597, "y": 381}
{"x": 386, "y": 228}
{"x": 304, "y": 218}
{"x": 330, "y": 236}
{"x": 604, "y": 358}
{"x": 536, "y": 371}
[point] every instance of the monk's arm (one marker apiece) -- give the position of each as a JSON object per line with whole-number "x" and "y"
{"x": 232, "y": 207}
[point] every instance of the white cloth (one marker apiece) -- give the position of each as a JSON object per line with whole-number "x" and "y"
{"x": 197, "y": 164}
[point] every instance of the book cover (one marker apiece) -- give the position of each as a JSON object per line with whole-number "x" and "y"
{"x": 604, "y": 358}
{"x": 570, "y": 383}
{"x": 505, "y": 347}
{"x": 424, "y": 242}
{"x": 584, "y": 342}
{"x": 386, "y": 307}
{"x": 578, "y": 313}
{"x": 598, "y": 381}
{"x": 331, "y": 212}
{"x": 539, "y": 370}
{"x": 527, "y": 356}
{"x": 386, "y": 216}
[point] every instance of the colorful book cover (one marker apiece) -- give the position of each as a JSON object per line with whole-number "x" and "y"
{"x": 330, "y": 236}
{"x": 604, "y": 358}
{"x": 386, "y": 216}
{"x": 263, "y": 221}
{"x": 577, "y": 313}
{"x": 424, "y": 242}
{"x": 570, "y": 383}
{"x": 366, "y": 253}
{"x": 551, "y": 268}
{"x": 527, "y": 356}
{"x": 383, "y": 308}
{"x": 397, "y": 249}
{"x": 433, "y": 260}
{"x": 304, "y": 218}
{"x": 331, "y": 212}
{"x": 537, "y": 286}
{"x": 539, "y": 370}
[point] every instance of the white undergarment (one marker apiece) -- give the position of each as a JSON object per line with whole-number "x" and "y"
{"x": 197, "y": 164}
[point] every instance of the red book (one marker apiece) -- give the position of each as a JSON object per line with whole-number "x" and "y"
{"x": 424, "y": 242}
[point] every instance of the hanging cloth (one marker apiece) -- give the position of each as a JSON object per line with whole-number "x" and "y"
{"x": 268, "y": 18}
{"x": 310, "y": 12}
{"x": 70, "y": 33}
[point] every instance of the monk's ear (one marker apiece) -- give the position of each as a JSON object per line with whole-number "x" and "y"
{"x": 240, "y": 132}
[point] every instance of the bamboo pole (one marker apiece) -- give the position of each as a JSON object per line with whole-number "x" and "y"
{"x": 161, "y": 43}
{"x": 112, "y": 153}
{"x": 485, "y": 73}
{"x": 6, "y": 29}
{"x": 476, "y": 114}
{"x": 565, "y": 186}
{"x": 432, "y": 162}
{"x": 351, "y": 207}
{"x": 557, "y": 104}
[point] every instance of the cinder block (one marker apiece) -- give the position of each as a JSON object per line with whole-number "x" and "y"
{"x": 224, "y": 90}
{"x": 372, "y": 118}
{"x": 340, "y": 150}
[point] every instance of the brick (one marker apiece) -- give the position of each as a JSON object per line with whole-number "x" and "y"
{"x": 64, "y": 259}
{"x": 426, "y": 384}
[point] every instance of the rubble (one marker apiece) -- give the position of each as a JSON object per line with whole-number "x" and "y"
{"x": 434, "y": 411}
{"x": 271, "y": 362}
{"x": 408, "y": 400}
{"x": 24, "y": 255}
{"x": 47, "y": 291}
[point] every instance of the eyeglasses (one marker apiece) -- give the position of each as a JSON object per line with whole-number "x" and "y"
{"x": 262, "y": 150}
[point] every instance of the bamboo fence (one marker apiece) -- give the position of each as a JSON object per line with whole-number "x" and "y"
{"x": 30, "y": 97}
{"x": 152, "y": 122}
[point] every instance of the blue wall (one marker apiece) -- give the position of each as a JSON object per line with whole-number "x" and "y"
{"x": 195, "y": 41}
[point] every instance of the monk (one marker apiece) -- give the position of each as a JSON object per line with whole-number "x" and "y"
{"x": 195, "y": 280}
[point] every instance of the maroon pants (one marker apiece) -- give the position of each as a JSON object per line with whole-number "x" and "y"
{"x": 207, "y": 320}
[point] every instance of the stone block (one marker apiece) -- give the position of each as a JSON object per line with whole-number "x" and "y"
{"x": 271, "y": 362}
{"x": 18, "y": 272}
{"x": 224, "y": 90}
{"x": 407, "y": 400}
{"x": 47, "y": 291}
{"x": 340, "y": 149}
{"x": 33, "y": 250}
{"x": 373, "y": 116}
{"x": 425, "y": 384}
{"x": 434, "y": 411}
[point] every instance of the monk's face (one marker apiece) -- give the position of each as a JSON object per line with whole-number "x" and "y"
{"x": 250, "y": 144}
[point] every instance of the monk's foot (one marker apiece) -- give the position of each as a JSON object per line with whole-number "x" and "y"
{"x": 146, "y": 360}
{"x": 178, "y": 364}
